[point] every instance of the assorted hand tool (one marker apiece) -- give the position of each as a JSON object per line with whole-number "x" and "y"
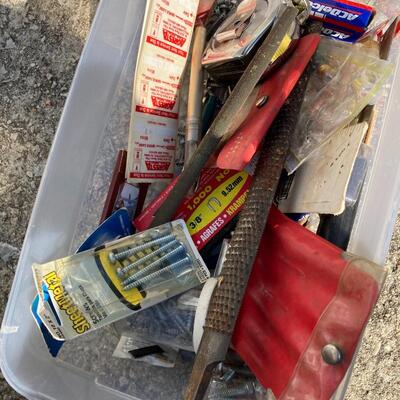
{"x": 279, "y": 107}
{"x": 271, "y": 95}
{"x": 227, "y": 297}
{"x": 223, "y": 126}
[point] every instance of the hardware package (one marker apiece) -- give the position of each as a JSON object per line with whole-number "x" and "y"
{"x": 95, "y": 288}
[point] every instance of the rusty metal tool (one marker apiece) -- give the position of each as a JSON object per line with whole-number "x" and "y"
{"x": 227, "y": 297}
{"x": 226, "y": 122}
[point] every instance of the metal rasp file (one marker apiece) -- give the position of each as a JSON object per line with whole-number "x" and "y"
{"x": 227, "y": 297}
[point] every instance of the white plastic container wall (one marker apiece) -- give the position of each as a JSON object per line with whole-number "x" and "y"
{"x": 94, "y": 125}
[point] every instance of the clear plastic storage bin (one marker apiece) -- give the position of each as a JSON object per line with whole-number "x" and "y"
{"x": 94, "y": 125}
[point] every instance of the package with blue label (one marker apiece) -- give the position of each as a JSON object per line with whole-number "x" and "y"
{"x": 343, "y": 19}
{"x": 97, "y": 287}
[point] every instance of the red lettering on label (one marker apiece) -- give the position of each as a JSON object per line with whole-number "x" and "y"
{"x": 166, "y": 46}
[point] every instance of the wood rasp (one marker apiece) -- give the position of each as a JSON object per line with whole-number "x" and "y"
{"x": 227, "y": 297}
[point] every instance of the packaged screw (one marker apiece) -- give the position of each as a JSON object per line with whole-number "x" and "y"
{"x": 170, "y": 323}
{"x": 236, "y": 382}
{"x": 92, "y": 289}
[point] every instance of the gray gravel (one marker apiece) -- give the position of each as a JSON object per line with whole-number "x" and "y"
{"x": 40, "y": 43}
{"x": 377, "y": 373}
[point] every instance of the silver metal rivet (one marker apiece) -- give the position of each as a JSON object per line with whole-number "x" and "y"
{"x": 332, "y": 354}
{"x": 261, "y": 101}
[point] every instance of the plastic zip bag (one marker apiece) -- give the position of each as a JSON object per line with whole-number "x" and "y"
{"x": 345, "y": 80}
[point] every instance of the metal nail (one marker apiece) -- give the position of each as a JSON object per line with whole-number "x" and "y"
{"x": 147, "y": 279}
{"x": 114, "y": 257}
{"x": 122, "y": 271}
{"x": 154, "y": 264}
{"x": 332, "y": 354}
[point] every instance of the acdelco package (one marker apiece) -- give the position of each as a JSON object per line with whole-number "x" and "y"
{"x": 92, "y": 289}
{"x": 166, "y": 36}
{"x": 343, "y": 19}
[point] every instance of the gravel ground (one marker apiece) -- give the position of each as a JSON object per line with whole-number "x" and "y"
{"x": 40, "y": 43}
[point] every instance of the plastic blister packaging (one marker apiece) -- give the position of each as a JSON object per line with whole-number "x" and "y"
{"x": 97, "y": 287}
{"x": 240, "y": 31}
{"x": 168, "y": 323}
{"x": 235, "y": 382}
{"x": 386, "y": 10}
{"x": 345, "y": 80}
{"x": 236, "y": 40}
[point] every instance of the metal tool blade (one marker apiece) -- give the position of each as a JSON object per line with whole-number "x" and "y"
{"x": 222, "y": 125}
{"x": 227, "y": 297}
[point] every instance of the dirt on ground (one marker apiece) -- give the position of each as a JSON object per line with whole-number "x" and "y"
{"x": 40, "y": 45}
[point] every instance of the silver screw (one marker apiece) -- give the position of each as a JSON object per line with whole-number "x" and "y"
{"x": 114, "y": 257}
{"x": 154, "y": 264}
{"x": 261, "y": 101}
{"x": 144, "y": 281}
{"x": 244, "y": 389}
{"x": 332, "y": 354}
{"x": 122, "y": 271}
{"x": 228, "y": 375}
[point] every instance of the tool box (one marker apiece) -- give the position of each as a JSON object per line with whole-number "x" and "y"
{"x": 94, "y": 124}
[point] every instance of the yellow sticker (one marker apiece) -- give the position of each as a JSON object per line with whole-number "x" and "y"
{"x": 287, "y": 40}
{"x": 215, "y": 202}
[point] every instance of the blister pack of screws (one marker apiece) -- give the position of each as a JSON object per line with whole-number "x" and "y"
{"x": 94, "y": 288}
